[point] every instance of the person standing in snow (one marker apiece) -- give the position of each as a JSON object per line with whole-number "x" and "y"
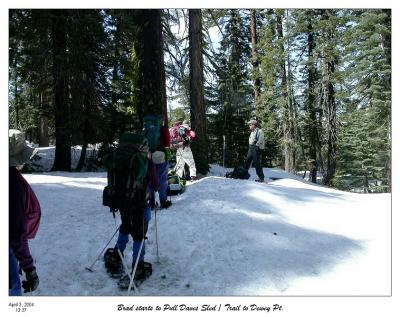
{"x": 256, "y": 146}
{"x": 24, "y": 217}
{"x": 181, "y": 137}
{"x": 134, "y": 222}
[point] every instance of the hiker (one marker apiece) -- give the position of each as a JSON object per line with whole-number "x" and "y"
{"x": 256, "y": 145}
{"x": 135, "y": 210}
{"x": 181, "y": 138}
{"x": 159, "y": 158}
{"x": 24, "y": 217}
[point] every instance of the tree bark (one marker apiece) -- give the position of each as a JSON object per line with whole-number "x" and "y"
{"x": 312, "y": 119}
{"x": 62, "y": 161}
{"x": 149, "y": 49}
{"x": 43, "y": 122}
{"x": 255, "y": 62}
{"x": 287, "y": 137}
{"x": 197, "y": 104}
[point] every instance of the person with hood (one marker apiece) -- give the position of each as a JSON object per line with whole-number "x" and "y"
{"x": 181, "y": 137}
{"x": 24, "y": 217}
{"x": 256, "y": 146}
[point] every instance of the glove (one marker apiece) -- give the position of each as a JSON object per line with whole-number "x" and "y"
{"x": 156, "y": 199}
{"x": 32, "y": 281}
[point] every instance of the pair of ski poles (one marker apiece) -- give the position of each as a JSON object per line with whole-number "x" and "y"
{"x": 90, "y": 268}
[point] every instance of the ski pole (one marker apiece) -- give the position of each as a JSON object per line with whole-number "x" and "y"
{"x": 90, "y": 268}
{"x": 134, "y": 269}
{"x": 155, "y": 220}
{"x": 124, "y": 263}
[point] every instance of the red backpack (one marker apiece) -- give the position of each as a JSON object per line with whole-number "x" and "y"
{"x": 174, "y": 132}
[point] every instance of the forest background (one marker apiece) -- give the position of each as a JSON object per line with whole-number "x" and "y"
{"x": 318, "y": 81}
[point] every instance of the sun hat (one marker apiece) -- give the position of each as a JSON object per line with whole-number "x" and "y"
{"x": 19, "y": 151}
{"x": 252, "y": 121}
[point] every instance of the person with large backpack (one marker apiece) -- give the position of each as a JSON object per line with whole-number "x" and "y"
{"x": 256, "y": 146}
{"x": 24, "y": 217}
{"x": 130, "y": 174}
{"x": 181, "y": 138}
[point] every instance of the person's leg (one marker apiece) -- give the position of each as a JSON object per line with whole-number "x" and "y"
{"x": 163, "y": 178}
{"x": 249, "y": 158}
{"x": 15, "y": 287}
{"x": 141, "y": 224}
{"x": 257, "y": 164}
{"x": 124, "y": 231}
{"x": 180, "y": 163}
{"x": 189, "y": 160}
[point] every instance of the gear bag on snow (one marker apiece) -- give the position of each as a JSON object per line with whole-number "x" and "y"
{"x": 238, "y": 172}
{"x": 126, "y": 172}
{"x": 176, "y": 185}
{"x": 151, "y": 130}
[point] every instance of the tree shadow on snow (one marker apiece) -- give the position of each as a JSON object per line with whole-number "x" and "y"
{"x": 255, "y": 250}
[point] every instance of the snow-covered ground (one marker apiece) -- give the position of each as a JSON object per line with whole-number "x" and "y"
{"x": 220, "y": 237}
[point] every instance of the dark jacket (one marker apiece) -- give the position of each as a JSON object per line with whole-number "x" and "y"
{"x": 24, "y": 218}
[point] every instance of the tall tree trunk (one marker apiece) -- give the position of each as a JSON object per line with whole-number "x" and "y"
{"x": 332, "y": 146}
{"x": 255, "y": 62}
{"x": 330, "y": 99}
{"x": 62, "y": 161}
{"x": 16, "y": 96}
{"x": 197, "y": 105}
{"x": 312, "y": 118}
{"x": 150, "y": 53}
{"x": 43, "y": 121}
{"x": 287, "y": 138}
{"x": 294, "y": 133}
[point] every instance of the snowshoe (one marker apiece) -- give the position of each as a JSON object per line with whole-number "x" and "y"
{"x": 143, "y": 271}
{"x": 113, "y": 263}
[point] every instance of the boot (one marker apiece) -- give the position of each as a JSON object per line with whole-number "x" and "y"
{"x": 165, "y": 204}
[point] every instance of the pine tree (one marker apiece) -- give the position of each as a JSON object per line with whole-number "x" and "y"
{"x": 235, "y": 91}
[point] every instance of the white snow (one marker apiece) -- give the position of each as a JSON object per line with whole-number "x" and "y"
{"x": 220, "y": 237}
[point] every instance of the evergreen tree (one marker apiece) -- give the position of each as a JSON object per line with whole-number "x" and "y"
{"x": 235, "y": 91}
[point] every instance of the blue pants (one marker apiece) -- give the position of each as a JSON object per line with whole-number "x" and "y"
{"x": 162, "y": 173}
{"x": 15, "y": 287}
{"x": 123, "y": 239}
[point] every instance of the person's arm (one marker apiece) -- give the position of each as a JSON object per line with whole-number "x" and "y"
{"x": 260, "y": 139}
{"x": 153, "y": 181}
{"x": 18, "y": 227}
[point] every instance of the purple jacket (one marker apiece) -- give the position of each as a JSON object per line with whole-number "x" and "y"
{"x": 24, "y": 218}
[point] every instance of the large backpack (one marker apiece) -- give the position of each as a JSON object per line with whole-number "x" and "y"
{"x": 238, "y": 172}
{"x": 126, "y": 173}
{"x": 151, "y": 130}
